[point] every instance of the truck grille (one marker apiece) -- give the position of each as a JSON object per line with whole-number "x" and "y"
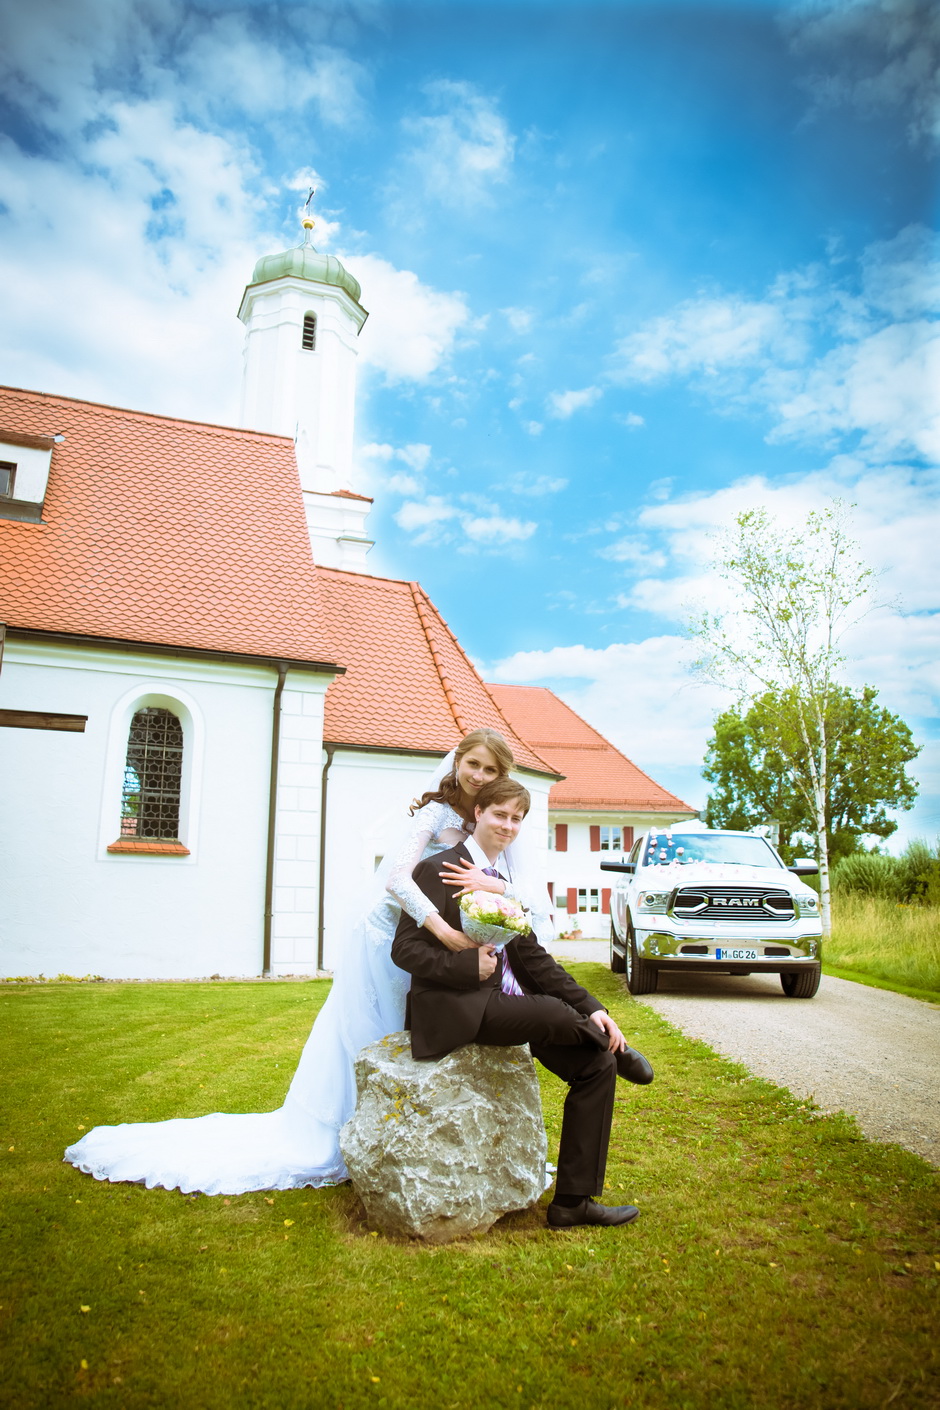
{"x": 732, "y": 903}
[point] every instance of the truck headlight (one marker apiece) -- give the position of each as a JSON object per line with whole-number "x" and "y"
{"x": 807, "y": 905}
{"x": 653, "y": 902}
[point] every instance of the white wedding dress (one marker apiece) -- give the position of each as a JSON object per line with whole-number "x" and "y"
{"x": 228, "y": 1154}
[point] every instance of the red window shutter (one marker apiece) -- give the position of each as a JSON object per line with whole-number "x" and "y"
{"x": 605, "y": 901}
{"x": 595, "y": 839}
{"x": 551, "y": 891}
{"x": 572, "y": 900}
{"x": 627, "y": 838}
{"x": 561, "y": 837}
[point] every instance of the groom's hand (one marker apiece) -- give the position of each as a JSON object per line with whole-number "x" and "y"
{"x": 487, "y": 960}
{"x": 606, "y": 1024}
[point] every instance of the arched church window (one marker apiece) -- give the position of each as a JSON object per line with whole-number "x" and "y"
{"x": 310, "y": 332}
{"x": 150, "y": 800}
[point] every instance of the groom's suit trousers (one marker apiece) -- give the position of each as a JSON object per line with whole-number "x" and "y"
{"x": 575, "y": 1049}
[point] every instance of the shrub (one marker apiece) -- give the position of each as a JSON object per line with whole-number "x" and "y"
{"x": 913, "y": 878}
{"x": 920, "y": 874}
{"x": 869, "y": 874}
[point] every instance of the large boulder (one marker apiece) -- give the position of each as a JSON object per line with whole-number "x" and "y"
{"x": 444, "y": 1148}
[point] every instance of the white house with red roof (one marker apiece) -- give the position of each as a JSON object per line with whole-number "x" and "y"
{"x": 209, "y": 715}
{"x": 595, "y": 809}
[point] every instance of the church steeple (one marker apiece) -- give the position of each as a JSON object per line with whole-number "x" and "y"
{"x": 303, "y": 318}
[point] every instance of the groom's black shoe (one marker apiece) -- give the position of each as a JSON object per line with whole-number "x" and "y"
{"x": 634, "y": 1067}
{"x": 587, "y": 1212}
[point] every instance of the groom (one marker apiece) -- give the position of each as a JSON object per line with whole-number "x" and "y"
{"x": 518, "y": 996}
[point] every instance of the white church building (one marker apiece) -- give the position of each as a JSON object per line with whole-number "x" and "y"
{"x": 210, "y": 712}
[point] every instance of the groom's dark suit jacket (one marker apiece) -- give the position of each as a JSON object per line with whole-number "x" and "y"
{"x": 448, "y": 998}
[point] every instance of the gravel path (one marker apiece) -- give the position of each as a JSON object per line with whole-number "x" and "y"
{"x": 869, "y": 1052}
{"x": 866, "y": 1051}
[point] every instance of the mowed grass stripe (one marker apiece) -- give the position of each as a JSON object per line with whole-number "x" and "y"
{"x": 780, "y": 1260}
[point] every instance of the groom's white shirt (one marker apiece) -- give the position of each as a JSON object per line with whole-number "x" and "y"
{"x": 480, "y": 859}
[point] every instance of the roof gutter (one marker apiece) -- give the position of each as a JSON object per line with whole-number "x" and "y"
{"x": 197, "y": 653}
{"x": 282, "y": 669}
{"x": 330, "y": 750}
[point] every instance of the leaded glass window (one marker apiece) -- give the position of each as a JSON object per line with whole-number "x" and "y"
{"x": 150, "y": 802}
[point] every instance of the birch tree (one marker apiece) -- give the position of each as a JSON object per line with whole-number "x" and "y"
{"x": 796, "y": 594}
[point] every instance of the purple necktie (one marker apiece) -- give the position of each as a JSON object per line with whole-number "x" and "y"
{"x": 508, "y": 981}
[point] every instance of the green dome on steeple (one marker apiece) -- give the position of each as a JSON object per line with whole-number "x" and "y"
{"x": 304, "y": 262}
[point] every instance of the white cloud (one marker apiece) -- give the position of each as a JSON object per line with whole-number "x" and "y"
{"x": 147, "y": 219}
{"x": 150, "y": 186}
{"x": 402, "y": 484}
{"x": 634, "y": 551}
{"x": 641, "y": 697}
{"x": 433, "y": 511}
{"x": 519, "y": 319}
{"x": 883, "y": 387}
{"x": 439, "y": 520}
{"x": 416, "y": 456}
{"x": 832, "y": 355}
{"x": 561, "y": 405}
{"x": 702, "y": 336}
{"x": 630, "y": 419}
{"x": 873, "y": 54}
{"x": 462, "y": 148}
{"x": 411, "y": 328}
{"x": 533, "y": 428}
{"x": 495, "y": 529}
{"x": 667, "y": 573}
{"x": 535, "y": 485}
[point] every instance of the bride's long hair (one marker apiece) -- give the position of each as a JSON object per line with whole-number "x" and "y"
{"x": 449, "y": 789}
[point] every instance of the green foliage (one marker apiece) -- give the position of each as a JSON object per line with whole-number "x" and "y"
{"x": 780, "y": 1260}
{"x": 869, "y": 874}
{"x": 758, "y": 762}
{"x": 911, "y": 879}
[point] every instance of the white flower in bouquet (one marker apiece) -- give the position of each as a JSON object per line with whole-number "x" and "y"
{"x": 489, "y": 919}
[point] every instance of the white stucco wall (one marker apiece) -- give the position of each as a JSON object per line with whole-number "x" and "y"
{"x": 579, "y": 867}
{"x": 69, "y": 906}
{"x": 368, "y": 797}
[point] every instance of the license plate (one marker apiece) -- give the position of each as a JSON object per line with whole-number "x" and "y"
{"x": 736, "y": 954}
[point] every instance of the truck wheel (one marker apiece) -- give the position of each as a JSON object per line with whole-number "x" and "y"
{"x": 618, "y": 964}
{"x": 642, "y": 977}
{"x": 800, "y": 983}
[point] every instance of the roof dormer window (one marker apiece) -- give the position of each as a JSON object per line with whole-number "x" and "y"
{"x": 25, "y": 461}
{"x": 310, "y": 332}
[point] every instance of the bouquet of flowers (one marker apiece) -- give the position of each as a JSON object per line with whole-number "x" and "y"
{"x": 489, "y": 919}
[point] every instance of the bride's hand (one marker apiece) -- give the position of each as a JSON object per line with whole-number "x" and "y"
{"x": 469, "y": 878}
{"x": 455, "y": 940}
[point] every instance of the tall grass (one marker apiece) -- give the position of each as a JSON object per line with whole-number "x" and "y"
{"x": 885, "y": 939}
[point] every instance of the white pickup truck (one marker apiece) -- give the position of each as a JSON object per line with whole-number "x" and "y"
{"x": 715, "y": 902}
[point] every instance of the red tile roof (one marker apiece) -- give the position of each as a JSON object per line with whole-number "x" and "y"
{"x": 156, "y": 530}
{"x": 598, "y": 778}
{"x": 408, "y": 683}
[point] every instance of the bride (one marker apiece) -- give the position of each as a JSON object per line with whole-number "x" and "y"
{"x": 299, "y": 1143}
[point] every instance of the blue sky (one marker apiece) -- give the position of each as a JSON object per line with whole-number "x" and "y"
{"x": 630, "y": 268}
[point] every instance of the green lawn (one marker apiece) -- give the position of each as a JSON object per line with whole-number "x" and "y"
{"x": 780, "y": 1261}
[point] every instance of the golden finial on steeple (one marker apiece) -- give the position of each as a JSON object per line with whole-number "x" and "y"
{"x": 307, "y": 220}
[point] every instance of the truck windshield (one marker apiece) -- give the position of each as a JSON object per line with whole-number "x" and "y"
{"x": 661, "y": 849}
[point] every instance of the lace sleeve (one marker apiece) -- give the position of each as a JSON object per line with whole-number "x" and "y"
{"x": 399, "y": 885}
